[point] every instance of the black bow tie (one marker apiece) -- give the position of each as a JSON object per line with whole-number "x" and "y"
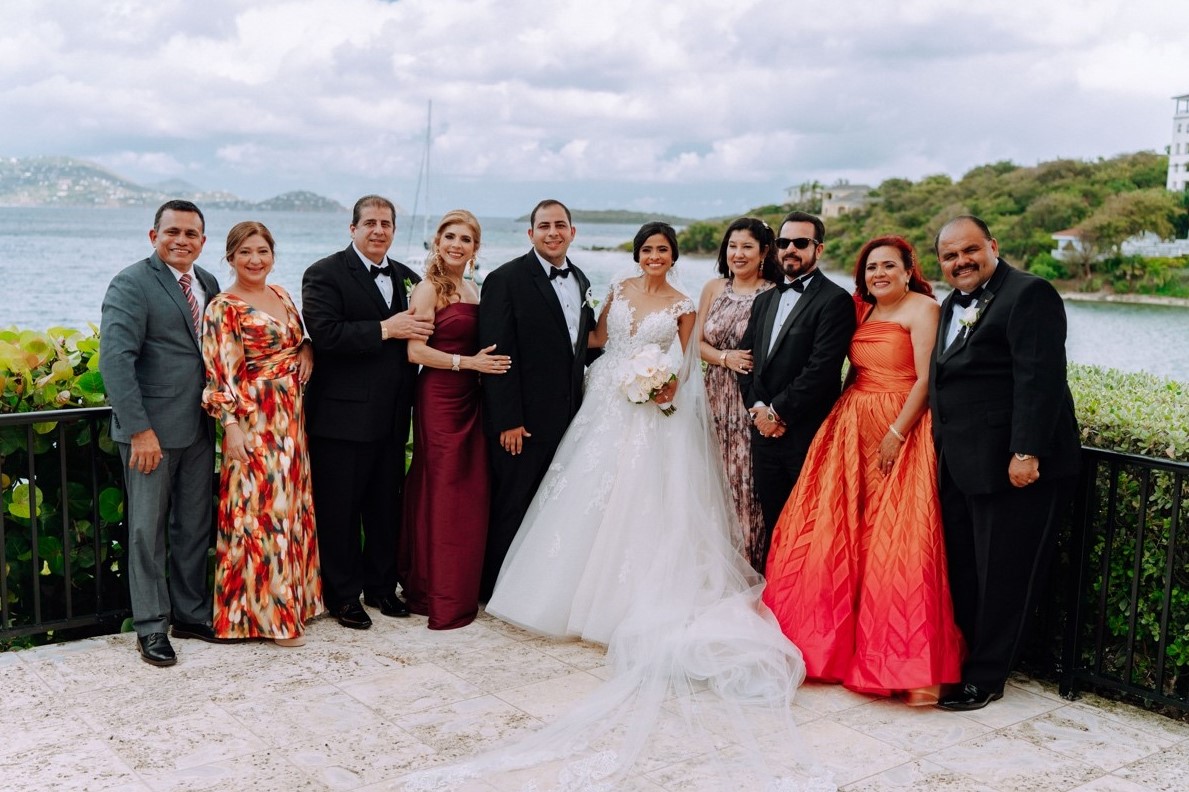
{"x": 378, "y": 271}
{"x": 797, "y": 285}
{"x": 965, "y": 300}
{"x": 559, "y": 272}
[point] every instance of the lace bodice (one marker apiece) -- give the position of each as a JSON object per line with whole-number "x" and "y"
{"x": 626, "y": 332}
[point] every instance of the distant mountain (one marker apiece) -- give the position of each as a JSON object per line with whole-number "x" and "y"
{"x": 620, "y": 216}
{"x": 64, "y": 181}
{"x": 300, "y": 201}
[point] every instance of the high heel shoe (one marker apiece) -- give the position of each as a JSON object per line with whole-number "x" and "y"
{"x": 290, "y": 642}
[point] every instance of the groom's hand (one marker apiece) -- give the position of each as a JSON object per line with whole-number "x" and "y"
{"x": 512, "y": 440}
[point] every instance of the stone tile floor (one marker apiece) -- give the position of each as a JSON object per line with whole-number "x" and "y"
{"x": 357, "y": 710}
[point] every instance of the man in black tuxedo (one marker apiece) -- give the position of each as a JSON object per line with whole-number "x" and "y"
{"x": 536, "y": 309}
{"x": 798, "y": 335}
{"x": 1008, "y": 447}
{"x": 356, "y": 309}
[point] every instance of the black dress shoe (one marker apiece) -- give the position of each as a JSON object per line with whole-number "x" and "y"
{"x": 202, "y": 632}
{"x": 352, "y": 615}
{"x": 390, "y": 605}
{"x": 968, "y": 697}
{"x": 155, "y": 649}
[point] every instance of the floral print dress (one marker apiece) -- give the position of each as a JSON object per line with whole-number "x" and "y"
{"x": 267, "y": 582}
{"x": 723, "y": 326}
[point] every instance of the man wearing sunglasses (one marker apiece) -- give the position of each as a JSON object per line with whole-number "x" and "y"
{"x": 798, "y": 335}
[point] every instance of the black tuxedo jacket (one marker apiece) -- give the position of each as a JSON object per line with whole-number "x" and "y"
{"x": 1000, "y": 387}
{"x": 362, "y": 387}
{"x": 520, "y": 314}
{"x": 802, "y": 376}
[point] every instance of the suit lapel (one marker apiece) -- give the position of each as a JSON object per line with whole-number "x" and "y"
{"x": 174, "y": 291}
{"x": 765, "y": 328}
{"x": 541, "y": 281}
{"x": 811, "y": 290}
{"x": 983, "y": 305}
{"x": 364, "y": 278}
{"x": 400, "y": 298}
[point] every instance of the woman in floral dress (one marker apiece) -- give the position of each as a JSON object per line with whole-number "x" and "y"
{"x": 267, "y": 582}
{"x": 746, "y": 266}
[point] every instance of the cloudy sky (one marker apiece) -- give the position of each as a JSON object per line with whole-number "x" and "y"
{"x": 693, "y": 107}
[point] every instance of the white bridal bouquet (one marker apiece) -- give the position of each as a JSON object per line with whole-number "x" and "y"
{"x": 642, "y": 376}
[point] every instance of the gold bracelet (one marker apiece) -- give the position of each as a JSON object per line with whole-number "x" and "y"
{"x": 896, "y": 433}
{"x": 722, "y": 359}
{"x": 455, "y": 360}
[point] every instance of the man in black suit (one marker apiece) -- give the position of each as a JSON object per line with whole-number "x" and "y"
{"x": 356, "y": 309}
{"x": 536, "y": 309}
{"x": 798, "y": 335}
{"x": 1008, "y": 447}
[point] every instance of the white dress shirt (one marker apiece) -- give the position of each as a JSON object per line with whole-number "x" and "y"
{"x": 568, "y": 294}
{"x": 383, "y": 282}
{"x": 788, "y": 300}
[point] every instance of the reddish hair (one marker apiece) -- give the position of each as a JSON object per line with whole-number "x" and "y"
{"x": 908, "y": 257}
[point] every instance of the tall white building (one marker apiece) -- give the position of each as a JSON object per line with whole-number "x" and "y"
{"x": 1178, "y": 151}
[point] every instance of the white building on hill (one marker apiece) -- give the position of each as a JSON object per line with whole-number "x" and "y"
{"x": 1178, "y": 150}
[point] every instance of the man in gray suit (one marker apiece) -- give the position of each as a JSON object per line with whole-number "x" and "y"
{"x": 151, "y": 362}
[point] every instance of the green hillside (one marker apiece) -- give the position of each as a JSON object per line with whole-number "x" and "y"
{"x": 1108, "y": 200}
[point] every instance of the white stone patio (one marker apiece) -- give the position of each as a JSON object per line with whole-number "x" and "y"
{"x": 358, "y": 710}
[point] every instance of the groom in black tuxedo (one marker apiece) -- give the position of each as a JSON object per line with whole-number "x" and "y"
{"x": 798, "y": 335}
{"x": 536, "y": 309}
{"x": 358, "y": 405}
{"x": 1008, "y": 447}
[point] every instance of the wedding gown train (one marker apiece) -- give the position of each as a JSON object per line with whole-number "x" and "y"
{"x": 627, "y": 543}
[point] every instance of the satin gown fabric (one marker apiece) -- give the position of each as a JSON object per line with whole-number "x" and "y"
{"x": 447, "y": 491}
{"x": 267, "y": 582}
{"x": 857, "y": 570}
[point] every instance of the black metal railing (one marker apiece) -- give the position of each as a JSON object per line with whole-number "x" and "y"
{"x": 62, "y": 531}
{"x": 1126, "y": 603}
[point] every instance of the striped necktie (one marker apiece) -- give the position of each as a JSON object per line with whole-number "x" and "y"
{"x": 195, "y": 311}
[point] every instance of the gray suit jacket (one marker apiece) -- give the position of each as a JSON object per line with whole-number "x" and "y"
{"x": 150, "y": 357}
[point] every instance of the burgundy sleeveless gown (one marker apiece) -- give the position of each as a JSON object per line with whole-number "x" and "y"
{"x": 440, "y": 558}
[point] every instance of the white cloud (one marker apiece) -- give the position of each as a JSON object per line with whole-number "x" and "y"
{"x": 670, "y": 105}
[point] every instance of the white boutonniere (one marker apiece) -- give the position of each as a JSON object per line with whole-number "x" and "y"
{"x": 408, "y": 282}
{"x": 589, "y": 301}
{"x": 970, "y": 315}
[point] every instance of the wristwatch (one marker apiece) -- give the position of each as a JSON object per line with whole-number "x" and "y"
{"x": 1024, "y": 457}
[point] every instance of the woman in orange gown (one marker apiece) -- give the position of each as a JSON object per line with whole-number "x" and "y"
{"x": 857, "y": 569}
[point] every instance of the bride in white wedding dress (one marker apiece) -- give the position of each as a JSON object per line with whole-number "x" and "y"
{"x": 627, "y": 543}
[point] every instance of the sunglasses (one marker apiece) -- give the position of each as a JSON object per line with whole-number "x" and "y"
{"x": 800, "y": 243}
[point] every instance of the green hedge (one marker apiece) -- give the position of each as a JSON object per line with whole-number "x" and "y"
{"x": 42, "y": 372}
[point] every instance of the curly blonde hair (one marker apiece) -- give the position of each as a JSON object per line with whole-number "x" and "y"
{"x": 435, "y": 272}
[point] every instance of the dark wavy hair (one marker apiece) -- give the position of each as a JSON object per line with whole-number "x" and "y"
{"x": 762, "y": 233}
{"x": 651, "y": 229}
{"x": 908, "y": 256}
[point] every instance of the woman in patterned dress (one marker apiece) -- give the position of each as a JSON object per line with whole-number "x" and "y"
{"x": 267, "y": 582}
{"x": 746, "y": 266}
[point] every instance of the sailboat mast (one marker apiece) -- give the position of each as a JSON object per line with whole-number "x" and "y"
{"x": 428, "y": 146}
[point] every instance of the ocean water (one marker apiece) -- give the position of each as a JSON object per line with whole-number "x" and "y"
{"x": 55, "y": 264}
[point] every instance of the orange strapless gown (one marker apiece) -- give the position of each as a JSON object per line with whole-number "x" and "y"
{"x": 857, "y": 569}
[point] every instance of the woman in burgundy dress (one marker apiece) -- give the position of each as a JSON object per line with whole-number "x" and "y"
{"x": 446, "y": 496}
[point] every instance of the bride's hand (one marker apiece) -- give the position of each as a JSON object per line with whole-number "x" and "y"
{"x": 666, "y": 392}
